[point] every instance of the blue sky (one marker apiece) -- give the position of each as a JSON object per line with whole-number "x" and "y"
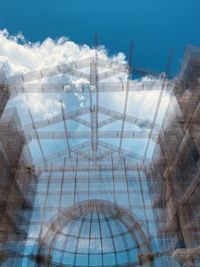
{"x": 155, "y": 25}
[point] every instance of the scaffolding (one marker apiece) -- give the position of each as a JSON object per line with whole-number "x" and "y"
{"x": 176, "y": 199}
{"x": 116, "y": 189}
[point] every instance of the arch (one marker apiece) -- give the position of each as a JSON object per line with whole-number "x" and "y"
{"x": 103, "y": 214}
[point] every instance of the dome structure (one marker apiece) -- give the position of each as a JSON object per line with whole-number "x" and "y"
{"x": 94, "y": 233}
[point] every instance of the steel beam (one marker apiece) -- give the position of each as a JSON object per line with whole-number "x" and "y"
{"x": 71, "y": 115}
{"x": 87, "y": 135}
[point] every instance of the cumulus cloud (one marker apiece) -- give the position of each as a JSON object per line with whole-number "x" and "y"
{"x": 28, "y": 56}
{"x": 20, "y": 56}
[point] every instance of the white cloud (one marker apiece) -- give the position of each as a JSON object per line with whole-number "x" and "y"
{"x": 19, "y": 56}
{"x": 28, "y": 56}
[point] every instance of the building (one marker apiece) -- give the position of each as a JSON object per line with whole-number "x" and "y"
{"x": 17, "y": 186}
{"x": 99, "y": 202}
{"x": 175, "y": 174}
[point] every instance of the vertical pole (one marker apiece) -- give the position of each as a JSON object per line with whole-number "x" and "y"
{"x": 94, "y": 108}
{"x": 65, "y": 127}
{"x": 163, "y": 86}
{"x": 75, "y": 179}
{"x": 126, "y": 95}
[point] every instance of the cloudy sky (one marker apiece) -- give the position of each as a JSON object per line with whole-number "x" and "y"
{"x": 155, "y": 25}
{"x": 36, "y": 34}
{"x": 19, "y": 56}
{"x": 39, "y": 34}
